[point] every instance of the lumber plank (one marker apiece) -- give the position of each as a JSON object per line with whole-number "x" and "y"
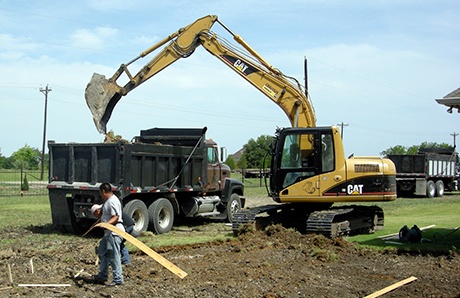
{"x": 392, "y": 287}
{"x": 43, "y": 285}
{"x": 150, "y": 252}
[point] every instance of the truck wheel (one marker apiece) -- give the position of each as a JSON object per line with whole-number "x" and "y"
{"x": 139, "y": 213}
{"x": 439, "y": 188}
{"x": 430, "y": 189}
{"x": 233, "y": 206}
{"x": 161, "y": 216}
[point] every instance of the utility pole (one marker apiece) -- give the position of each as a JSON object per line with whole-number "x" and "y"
{"x": 45, "y": 92}
{"x": 342, "y": 125}
{"x": 455, "y": 136}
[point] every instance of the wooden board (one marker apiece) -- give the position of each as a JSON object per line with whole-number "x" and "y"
{"x": 153, "y": 254}
{"x": 392, "y": 287}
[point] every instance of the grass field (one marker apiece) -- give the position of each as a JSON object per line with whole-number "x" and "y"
{"x": 443, "y": 212}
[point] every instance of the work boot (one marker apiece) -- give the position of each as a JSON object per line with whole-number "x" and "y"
{"x": 98, "y": 280}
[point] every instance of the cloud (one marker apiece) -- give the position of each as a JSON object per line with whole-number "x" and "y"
{"x": 13, "y": 48}
{"x": 94, "y": 39}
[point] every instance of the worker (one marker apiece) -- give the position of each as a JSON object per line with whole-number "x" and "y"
{"x": 109, "y": 246}
{"x": 128, "y": 224}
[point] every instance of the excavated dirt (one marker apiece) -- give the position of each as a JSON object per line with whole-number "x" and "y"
{"x": 278, "y": 262}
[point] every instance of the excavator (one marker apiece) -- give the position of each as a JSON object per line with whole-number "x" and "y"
{"x": 308, "y": 170}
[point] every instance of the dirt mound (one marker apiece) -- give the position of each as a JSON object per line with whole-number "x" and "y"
{"x": 277, "y": 262}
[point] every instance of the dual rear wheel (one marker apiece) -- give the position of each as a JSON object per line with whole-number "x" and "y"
{"x": 159, "y": 216}
{"x": 434, "y": 189}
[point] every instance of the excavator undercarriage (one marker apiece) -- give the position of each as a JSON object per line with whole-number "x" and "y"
{"x": 333, "y": 222}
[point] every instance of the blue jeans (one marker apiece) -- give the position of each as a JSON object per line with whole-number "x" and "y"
{"x": 125, "y": 258}
{"x": 109, "y": 255}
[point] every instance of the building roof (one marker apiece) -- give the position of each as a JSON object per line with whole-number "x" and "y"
{"x": 451, "y": 100}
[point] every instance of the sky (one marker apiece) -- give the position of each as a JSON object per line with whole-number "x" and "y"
{"x": 374, "y": 66}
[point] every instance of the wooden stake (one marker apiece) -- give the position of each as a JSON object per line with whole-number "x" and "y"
{"x": 9, "y": 274}
{"x": 31, "y": 266}
{"x": 153, "y": 254}
{"x": 392, "y": 287}
{"x": 78, "y": 273}
{"x": 43, "y": 285}
{"x": 6, "y": 288}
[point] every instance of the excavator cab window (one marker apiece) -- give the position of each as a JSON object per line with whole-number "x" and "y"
{"x": 297, "y": 158}
{"x": 304, "y": 154}
{"x": 327, "y": 153}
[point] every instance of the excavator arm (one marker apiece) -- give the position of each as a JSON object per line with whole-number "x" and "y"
{"x": 103, "y": 94}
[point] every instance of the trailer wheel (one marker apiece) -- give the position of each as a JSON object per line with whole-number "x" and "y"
{"x": 139, "y": 213}
{"x": 430, "y": 189}
{"x": 161, "y": 216}
{"x": 233, "y": 206}
{"x": 439, "y": 188}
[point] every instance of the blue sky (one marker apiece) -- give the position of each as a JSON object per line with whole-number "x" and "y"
{"x": 377, "y": 66}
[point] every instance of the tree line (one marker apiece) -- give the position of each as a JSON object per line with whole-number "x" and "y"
{"x": 255, "y": 154}
{"x": 26, "y": 158}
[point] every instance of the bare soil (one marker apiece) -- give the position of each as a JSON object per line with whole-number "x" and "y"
{"x": 277, "y": 262}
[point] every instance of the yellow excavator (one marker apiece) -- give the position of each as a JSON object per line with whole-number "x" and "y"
{"x": 308, "y": 170}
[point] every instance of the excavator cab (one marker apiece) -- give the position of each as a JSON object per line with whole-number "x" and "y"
{"x": 300, "y": 154}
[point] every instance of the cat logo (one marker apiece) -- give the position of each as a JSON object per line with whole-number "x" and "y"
{"x": 355, "y": 189}
{"x": 244, "y": 67}
{"x": 240, "y": 66}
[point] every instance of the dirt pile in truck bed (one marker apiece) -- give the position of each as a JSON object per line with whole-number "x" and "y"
{"x": 278, "y": 262}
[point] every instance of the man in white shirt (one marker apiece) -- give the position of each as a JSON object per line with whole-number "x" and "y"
{"x": 109, "y": 247}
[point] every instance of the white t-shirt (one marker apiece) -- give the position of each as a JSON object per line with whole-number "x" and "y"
{"x": 111, "y": 208}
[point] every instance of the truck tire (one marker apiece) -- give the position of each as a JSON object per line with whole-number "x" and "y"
{"x": 139, "y": 213}
{"x": 439, "y": 188}
{"x": 233, "y": 206}
{"x": 161, "y": 216}
{"x": 430, "y": 189}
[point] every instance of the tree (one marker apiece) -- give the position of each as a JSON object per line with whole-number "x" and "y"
{"x": 26, "y": 158}
{"x": 398, "y": 149}
{"x": 242, "y": 164}
{"x": 255, "y": 152}
{"x": 2, "y": 159}
{"x": 427, "y": 146}
{"x": 230, "y": 162}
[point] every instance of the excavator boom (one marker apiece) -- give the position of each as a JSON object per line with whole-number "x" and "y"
{"x": 103, "y": 94}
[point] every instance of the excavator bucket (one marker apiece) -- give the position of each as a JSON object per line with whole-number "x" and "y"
{"x": 101, "y": 97}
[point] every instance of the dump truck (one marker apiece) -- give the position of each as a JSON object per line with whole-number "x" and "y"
{"x": 426, "y": 174}
{"x": 163, "y": 174}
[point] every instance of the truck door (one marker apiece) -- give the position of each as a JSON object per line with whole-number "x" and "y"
{"x": 213, "y": 169}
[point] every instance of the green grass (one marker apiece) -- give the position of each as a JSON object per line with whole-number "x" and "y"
{"x": 443, "y": 212}
{"x": 18, "y": 211}
{"x": 34, "y": 213}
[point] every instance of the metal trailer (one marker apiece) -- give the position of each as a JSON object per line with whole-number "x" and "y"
{"x": 162, "y": 174}
{"x": 425, "y": 174}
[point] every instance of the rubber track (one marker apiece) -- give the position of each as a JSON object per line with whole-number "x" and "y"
{"x": 248, "y": 216}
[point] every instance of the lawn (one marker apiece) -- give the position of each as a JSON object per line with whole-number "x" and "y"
{"x": 443, "y": 212}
